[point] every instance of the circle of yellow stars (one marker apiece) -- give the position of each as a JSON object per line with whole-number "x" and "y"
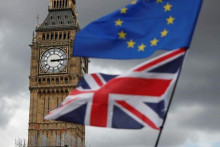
{"x": 154, "y": 42}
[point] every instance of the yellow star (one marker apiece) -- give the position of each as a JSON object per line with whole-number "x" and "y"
{"x": 170, "y": 20}
{"x": 118, "y": 22}
{"x": 131, "y": 44}
{"x": 141, "y": 47}
{"x": 164, "y": 33}
{"x": 124, "y": 10}
{"x": 167, "y": 7}
{"x": 122, "y": 35}
{"x": 159, "y": 1}
{"x": 134, "y": 2}
{"x": 154, "y": 42}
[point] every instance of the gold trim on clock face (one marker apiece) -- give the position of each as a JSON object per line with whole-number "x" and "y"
{"x": 53, "y": 60}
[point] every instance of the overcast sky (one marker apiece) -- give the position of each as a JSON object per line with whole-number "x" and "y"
{"x": 194, "y": 119}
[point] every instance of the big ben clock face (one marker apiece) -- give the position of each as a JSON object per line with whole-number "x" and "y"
{"x": 53, "y": 60}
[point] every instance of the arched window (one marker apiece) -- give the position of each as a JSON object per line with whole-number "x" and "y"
{"x": 52, "y": 36}
{"x": 57, "y": 4}
{"x": 43, "y": 38}
{"x": 66, "y": 3}
{"x": 48, "y": 36}
{"x": 66, "y": 80}
{"x": 57, "y": 81}
{"x": 64, "y": 35}
{"x": 54, "y": 4}
{"x": 61, "y": 35}
{"x": 56, "y": 36}
{"x": 39, "y": 81}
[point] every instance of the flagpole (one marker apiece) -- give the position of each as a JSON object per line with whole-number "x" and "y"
{"x": 168, "y": 108}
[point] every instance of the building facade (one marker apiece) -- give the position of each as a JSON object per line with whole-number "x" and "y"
{"x": 53, "y": 74}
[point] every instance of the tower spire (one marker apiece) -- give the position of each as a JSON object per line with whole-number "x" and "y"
{"x": 38, "y": 17}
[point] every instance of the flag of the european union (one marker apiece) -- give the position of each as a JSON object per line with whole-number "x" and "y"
{"x": 139, "y": 29}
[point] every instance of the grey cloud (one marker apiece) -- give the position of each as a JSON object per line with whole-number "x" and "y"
{"x": 121, "y": 138}
{"x": 204, "y": 120}
{"x": 90, "y": 10}
{"x": 4, "y": 114}
{"x": 17, "y": 23}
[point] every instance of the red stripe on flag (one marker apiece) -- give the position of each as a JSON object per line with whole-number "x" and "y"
{"x": 137, "y": 86}
{"x": 161, "y": 59}
{"x": 76, "y": 91}
{"x": 97, "y": 79}
{"x": 138, "y": 114}
{"x": 99, "y": 111}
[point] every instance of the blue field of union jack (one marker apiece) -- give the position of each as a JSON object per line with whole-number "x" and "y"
{"x": 132, "y": 100}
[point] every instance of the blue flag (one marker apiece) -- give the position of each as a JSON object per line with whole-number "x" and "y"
{"x": 139, "y": 29}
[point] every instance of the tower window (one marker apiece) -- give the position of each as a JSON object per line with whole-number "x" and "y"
{"x": 51, "y": 17}
{"x": 52, "y": 36}
{"x": 56, "y": 35}
{"x": 48, "y": 81}
{"x": 58, "y": 17}
{"x": 64, "y": 35}
{"x": 54, "y": 3}
{"x": 66, "y": 16}
{"x": 57, "y": 81}
{"x": 66, "y": 80}
{"x": 43, "y": 38}
{"x": 66, "y": 3}
{"x": 61, "y": 35}
{"x": 39, "y": 81}
{"x": 48, "y": 36}
{"x": 61, "y": 22}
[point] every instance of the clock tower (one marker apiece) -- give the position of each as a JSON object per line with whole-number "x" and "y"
{"x": 53, "y": 74}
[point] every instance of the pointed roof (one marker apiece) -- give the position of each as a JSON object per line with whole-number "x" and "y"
{"x": 59, "y": 20}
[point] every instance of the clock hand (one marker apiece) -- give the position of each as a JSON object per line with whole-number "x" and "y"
{"x": 57, "y": 60}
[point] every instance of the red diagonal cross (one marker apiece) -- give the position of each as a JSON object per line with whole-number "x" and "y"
{"x": 131, "y": 86}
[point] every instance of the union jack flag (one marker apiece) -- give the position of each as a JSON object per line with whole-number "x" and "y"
{"x": 131, "y": 100}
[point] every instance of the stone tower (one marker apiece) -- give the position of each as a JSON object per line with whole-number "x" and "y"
{"x": 53, "y": 74}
